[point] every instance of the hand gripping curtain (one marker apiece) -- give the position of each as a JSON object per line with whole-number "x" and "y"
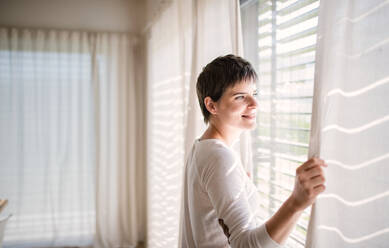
{"x": 350, "y": 125}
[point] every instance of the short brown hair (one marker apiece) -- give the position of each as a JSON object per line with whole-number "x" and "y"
{"x": 222, "y": 73}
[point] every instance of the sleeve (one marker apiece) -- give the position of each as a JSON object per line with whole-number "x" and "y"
{"x": 222, "y": 179}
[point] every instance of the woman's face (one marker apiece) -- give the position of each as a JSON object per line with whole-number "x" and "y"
{"x": 238, "y": 106}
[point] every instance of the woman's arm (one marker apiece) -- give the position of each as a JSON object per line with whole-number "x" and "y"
{"x": 224, "y": 180}
{"x": 309, "y": 183}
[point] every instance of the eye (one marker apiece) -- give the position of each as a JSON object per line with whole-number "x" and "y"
{"x": 239, "y": 97}
{"x": 255, "y": 94}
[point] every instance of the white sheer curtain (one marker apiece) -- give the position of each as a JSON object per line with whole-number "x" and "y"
{"x": 119, "y": 175}
{"x": 350, "y": 125}
{"x": 67, "y": 138}
{"x": 183, "y": 37}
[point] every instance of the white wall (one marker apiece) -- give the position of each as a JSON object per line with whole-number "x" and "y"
{"x": 93, "y": 15}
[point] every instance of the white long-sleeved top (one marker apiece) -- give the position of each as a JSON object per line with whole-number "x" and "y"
{"x": 220, "y": 202}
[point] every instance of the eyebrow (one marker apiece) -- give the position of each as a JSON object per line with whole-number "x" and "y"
{"x": 242, "y": 93}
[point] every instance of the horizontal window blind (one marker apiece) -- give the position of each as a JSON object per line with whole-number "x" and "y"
{"x": 285, "y": 49}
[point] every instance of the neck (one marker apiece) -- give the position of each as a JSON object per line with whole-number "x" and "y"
{"x": 226, "y": 134}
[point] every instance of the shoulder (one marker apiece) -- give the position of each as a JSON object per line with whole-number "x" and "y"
{"x": 214, "y": 151}
{"x": 213, "y": 156}
{"x": 219, "y": 169}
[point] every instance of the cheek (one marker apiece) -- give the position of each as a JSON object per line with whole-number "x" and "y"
{"x": 237, "y": 107}
{"x": 233, "y": 109}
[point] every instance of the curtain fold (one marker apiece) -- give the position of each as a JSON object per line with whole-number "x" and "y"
{"x": 350, "y": 125}
{"x": 115, "y": 107}
{"x": 68, "y": 127}
{"x": 187, "y": 35}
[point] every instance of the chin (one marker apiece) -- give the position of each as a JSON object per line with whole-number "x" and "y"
{"x": 253, "y": 126}
{"x": 249, "y": 126}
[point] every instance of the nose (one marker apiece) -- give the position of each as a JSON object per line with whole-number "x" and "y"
{"x": 253, "y": 102}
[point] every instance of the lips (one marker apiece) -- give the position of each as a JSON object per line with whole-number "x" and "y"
{"x": 250, "y": 116}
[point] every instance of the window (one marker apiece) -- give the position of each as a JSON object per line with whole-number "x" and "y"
{"x": 46, "y": 129}
{"x": 280, "y": 40}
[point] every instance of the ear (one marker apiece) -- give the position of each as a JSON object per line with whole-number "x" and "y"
{"x": 210, "y": 105}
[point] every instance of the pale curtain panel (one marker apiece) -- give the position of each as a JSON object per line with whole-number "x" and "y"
{"x": 182, "y": 39}
{"x": 118, "y": 186}
{"x": 67, "y": 138}
{"x": 46, "y": 144}
{"x": 350, "y": 125}
{"x": 168, "y": 74}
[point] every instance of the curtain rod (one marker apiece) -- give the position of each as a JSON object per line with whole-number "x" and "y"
{"x": 136, "y": 34}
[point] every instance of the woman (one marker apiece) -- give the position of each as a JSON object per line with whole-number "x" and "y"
{"x": 220, "y": 201}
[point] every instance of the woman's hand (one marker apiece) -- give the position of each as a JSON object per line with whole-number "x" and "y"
{"x": 309, "y": 183}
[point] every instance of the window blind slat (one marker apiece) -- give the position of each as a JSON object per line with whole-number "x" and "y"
{"x": 300, "y": 51}
{"x": 298, "y": 35}
{"x": 299, "y": 19}
{"x": 294, "y": 6}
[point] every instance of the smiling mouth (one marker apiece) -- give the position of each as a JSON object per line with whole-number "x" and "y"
{"x": 249, "y": 116}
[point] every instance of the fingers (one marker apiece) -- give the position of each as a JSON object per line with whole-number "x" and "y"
{"x": 313, "y": 172}
{"x": 311, "y": 163}
{"x": 309, "y": 185}
{"x": 319, "y": 189}
{"x": 311, "y": 175}
{"x": 309, "y": 182}
{"x": 317, "y": 181}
